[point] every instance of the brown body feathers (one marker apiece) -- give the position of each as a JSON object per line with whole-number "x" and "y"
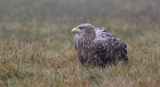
{"x": 96, "y": 47}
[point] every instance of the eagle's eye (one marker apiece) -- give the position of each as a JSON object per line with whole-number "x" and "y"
{"x": 81, "y": 28}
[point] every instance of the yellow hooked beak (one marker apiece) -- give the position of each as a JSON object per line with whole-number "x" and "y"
{"x": 75, "y": 30}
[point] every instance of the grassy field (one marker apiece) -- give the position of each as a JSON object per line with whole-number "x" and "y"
{"x": 36, "y": 46}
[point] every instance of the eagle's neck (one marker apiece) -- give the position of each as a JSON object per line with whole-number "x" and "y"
{"x": 85, "y": 39}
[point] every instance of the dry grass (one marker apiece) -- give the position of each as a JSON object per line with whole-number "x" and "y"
{"x": 28, "y": 60}
{"x": 36, "y": 53}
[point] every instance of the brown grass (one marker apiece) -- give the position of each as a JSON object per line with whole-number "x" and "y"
{"x": 28, "y": 62}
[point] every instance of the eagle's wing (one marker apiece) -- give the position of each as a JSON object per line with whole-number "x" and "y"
{"x": 109, "y": 47}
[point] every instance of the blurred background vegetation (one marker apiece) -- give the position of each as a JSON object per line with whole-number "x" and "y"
{"x": 69, "y": 10}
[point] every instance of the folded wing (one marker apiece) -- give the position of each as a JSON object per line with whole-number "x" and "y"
{"x": 109, "y": 48}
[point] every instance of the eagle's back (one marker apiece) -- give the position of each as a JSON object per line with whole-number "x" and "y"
{"x": 109, "y": 48}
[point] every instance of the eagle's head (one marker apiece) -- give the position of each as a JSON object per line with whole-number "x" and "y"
{"x": 83, "y": 28}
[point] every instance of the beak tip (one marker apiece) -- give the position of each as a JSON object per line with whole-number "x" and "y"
{"x": 74, "y": 30}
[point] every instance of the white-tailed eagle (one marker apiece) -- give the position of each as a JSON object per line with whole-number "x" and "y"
{"x": 96, "y": 47}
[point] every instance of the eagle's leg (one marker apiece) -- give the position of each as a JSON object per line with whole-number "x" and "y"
{"x": 113, "y": 62}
